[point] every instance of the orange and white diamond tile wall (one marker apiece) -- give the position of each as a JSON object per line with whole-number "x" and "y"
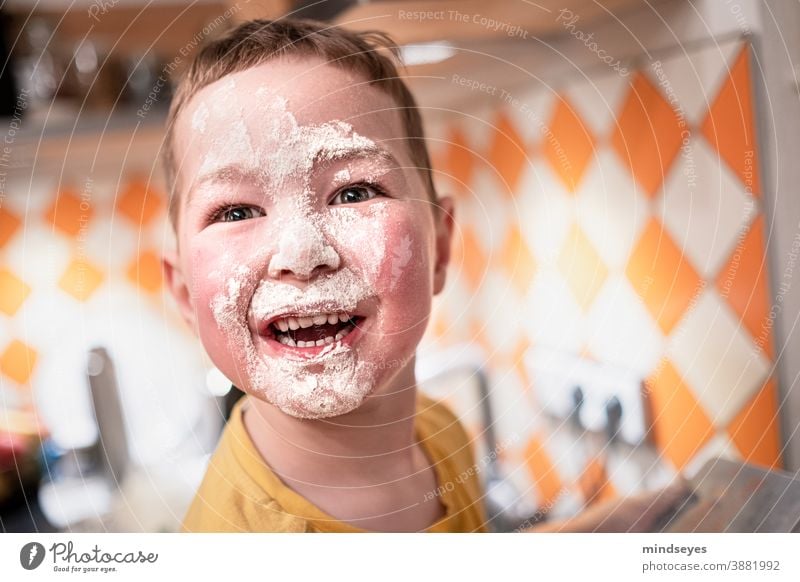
{"x": 80, "y": 267}
{"x": 619, "y": 219}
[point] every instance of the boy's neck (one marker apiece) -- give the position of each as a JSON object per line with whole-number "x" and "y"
{"x": 376, "y": 438}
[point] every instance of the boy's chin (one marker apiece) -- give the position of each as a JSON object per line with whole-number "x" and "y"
{"x": 325, "y": 396}
{"x": 317, "y": 382}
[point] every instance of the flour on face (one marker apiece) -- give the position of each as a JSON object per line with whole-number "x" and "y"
{"x": 337, "y": 379}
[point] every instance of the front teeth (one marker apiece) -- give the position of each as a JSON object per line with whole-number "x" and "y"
{"x": 293, "y": 323}
{"x": 287, "y": 323}
{"x": 287, "y": 341}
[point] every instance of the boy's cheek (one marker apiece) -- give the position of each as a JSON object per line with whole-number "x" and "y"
{"x": 211, "y": 275}
{"x": 405, "y": 280}
{"x": 407, "y": 265}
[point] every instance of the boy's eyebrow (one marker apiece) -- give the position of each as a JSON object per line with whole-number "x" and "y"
{"x": 239, "y": 173}
{"x": 325, "y": 154}
{"x": 229, "y": 173}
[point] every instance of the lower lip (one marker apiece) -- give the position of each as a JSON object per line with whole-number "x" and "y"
{"x": 282, "y": 350}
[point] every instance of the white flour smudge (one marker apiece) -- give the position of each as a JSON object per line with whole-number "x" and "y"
{"x": 337, "y": 380}
{"x": 199, "y": 118}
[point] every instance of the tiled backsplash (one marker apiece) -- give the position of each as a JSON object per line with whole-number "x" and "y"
{"x": 618, "y": 218}
{"x": 80, "y": 268}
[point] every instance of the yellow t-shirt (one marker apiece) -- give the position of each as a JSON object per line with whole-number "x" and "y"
{"x": 240, "y": 493}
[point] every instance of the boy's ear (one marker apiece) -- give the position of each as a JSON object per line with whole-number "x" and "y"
{"x": 444, "y": 233}
{"x": 173, "y": 276}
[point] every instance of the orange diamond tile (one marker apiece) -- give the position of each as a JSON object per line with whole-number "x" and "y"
{"x": 680, "y": 425}
{"x": 9, "y": 224}
{"x": 582, "y": 267}
{"x": 517, "y": 260}
{"x": 459, "y": 161}
{"x": 140, "y": 203}
{"x": 507, "y": 153}
{"x": 570, "y": 147}
{"x": 13, "y": 291}
{"x": 81, "y": 279}
{"x": 470, "y": 258}
{"x": 662, "y": 276}
{"x": 17, "y": 361}
{"x": 648, "y": 135}
{"x": 518, "y": 361}
{"x": 543, "y": 472}
{"x": 594, "y": 484}
{"x": 743, "y": 283}
{"x": 69, "y": 214}
{"x": 145, "y": 271}
{"x": 730, "y": 127}
{"x": 439, "y": 327}
{"x": 755, "y": 430}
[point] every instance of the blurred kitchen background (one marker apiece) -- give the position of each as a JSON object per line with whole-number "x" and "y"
{"x": 621, "y": 306}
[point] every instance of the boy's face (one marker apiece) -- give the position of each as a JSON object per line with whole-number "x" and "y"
{"x": 308, "y": 247}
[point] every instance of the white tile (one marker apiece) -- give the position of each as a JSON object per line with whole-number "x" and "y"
{"x": 705, "y": 208}
{"x": 532, "y": 112}
{"x": 546, "y": 212}
{"x": 516, "y": 471}
{"x": 62, "y": 394}
{"x": 112, "y": 244}
{"x": 49, "y": 316}
{"x": 455, "y": 304}
{"x": 624, "y": 473}
{"x": 715, "y": 356}
{"x": 501, "y": 310}
{"x": 610, "y": 208}
{"x": 459, "y": 389}
{"x": 11, "y": 396}
{"x": 620, "y": 330}
{"x": 598, "y": 101}
{"x": 488, "y": 210}
{"x": 514, "y": 415}
{"x": 695, "y": 78}
{"x": 38, "y": 256}
{"x": 30, "y": 197}
{"x": 552, "y": 316}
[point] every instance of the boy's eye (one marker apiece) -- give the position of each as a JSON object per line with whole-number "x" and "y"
{"x": 237, "y": 213}
{"x": 355, "y": 194}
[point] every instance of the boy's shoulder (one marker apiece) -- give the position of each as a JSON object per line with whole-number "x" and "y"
{"x": 229, "y": 498}
{"x": 435, "y": 421}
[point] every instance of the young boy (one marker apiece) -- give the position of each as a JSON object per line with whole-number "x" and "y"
{"x": 310, "y": 242}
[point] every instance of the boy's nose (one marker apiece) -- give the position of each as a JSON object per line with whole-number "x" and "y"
{"x": 303, "y": 253}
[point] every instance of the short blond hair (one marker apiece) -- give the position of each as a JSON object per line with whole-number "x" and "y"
{"x": 370, "y": 54}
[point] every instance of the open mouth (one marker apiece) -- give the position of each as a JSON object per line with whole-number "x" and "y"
{"x": 312, "y": 331}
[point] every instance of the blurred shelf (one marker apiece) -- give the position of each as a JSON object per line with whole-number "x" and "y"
{"x": 65, "y": 124}
{"x": 79, "y": 143}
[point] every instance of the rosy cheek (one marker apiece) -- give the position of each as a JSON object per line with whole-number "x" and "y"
{"x": 214, "y": 271}
{"x": 405, "y": 278}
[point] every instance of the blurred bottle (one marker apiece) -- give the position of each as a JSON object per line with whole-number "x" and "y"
{"x": 98, "y": 76}
{"x": 38, "y": 71}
